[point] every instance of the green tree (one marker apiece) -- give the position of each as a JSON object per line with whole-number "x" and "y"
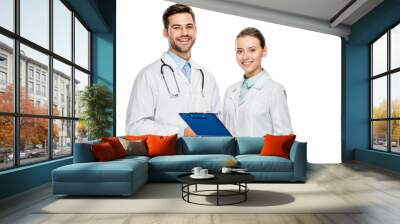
{"x": 97, "y": 106}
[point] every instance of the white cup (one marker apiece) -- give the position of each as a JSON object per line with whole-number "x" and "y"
{"x": 196, "y": 171}
{"x": 203, "y": 172}
{"x": 226, "y": 170}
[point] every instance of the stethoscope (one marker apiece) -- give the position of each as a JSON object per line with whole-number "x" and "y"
{"x": 176, "y": 82}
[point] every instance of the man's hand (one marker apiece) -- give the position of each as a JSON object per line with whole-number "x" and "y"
{"x": 189, "y": 132}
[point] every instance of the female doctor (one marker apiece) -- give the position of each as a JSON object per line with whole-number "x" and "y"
{"x": 256, "y": 105}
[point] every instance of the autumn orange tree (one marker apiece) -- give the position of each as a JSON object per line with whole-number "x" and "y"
{"x": 81, "y": 129}
{"x": 395, "y": 124}
{"x": 6, "y": 122}
{"x": 380, "y": 128}
{"x": 33, "y": 130}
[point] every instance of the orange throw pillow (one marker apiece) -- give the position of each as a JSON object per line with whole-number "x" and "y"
{"x": 277, "y": 145}
{"x": 103, "y": 152}
{"x": 161, "y": 145}
{"x": 136, "y": 137}
{"x": 116, "y": 145}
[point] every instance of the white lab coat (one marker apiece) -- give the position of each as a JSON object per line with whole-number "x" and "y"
{"x": 151, "y": 108}
{"x": 263, "y": 110}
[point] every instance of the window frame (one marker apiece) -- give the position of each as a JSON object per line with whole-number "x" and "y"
{"x": 3, "y": 71}
{"x": 15, "y": 71}
{"x": 5, "y": 59}
{"x": 3, "y": 74}
{"x": 388, "y": 74}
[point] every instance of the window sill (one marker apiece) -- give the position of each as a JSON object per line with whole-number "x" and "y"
{"x": 30, "y": 166}
{"x": 382, "y": 159}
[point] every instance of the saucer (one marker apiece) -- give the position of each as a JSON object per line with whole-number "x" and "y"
{"x": 240, "y": 171}
{"x": 208, "y": 176}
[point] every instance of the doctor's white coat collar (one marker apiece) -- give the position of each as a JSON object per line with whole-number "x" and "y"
{"x": 171, "y": 62}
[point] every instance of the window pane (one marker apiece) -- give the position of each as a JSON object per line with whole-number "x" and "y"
{"x": 6, "y": 74}
{"x": 81, "y": 45}
{"x": 395, "y": 47}
{"x": 395, "y": 136}
{"x": 81, "y": 81}
{"x": 379, "y": 135}
{"x": 62, "y": 29}
{"x": 62, "y": 89}
{"x": 379, "y": 98}
{"x": 81, "y": 131}
{"x": 62, "y": 133}
{"x": 379, "y": 55}
{"x": 395, "y": 94}
{"x": 7, "y": 14}
{"x": 33, "y": 140}
{"x": 34, "y": 79}
{"x": 6, "y": 142}
{"x": 35, "y": 21}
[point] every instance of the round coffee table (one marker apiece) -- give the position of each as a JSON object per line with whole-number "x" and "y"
{"x": 238, "y": 179}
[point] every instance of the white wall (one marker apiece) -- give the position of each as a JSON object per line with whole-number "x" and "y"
{"x": 307, "y": 63}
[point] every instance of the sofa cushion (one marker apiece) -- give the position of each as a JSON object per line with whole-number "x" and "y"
{"x": 161, "y": 145}
{"x": 136, "y": 137}
{"x": 185, "y": 163}
{"x": 249, "y": 145}
{"x": 130, "y": 158}
{"x": 103, "y": 152}
{"x": 277, "y": 145}
{"x": 207, "y": 145}
{"x": 111, "y": 171}
{"x": 83, "y": 152}
{"x": 116, "y": 145}
{"x": 134, "y": 147}
{"x": 257, "y": 163}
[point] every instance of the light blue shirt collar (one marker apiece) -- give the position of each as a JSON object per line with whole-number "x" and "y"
{"x": 180, "y": 62}
{"x": 247, "y": 84}
{"x": 251, "y": 81}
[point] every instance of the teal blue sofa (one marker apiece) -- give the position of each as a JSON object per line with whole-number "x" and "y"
{"x": 125, "y": 176}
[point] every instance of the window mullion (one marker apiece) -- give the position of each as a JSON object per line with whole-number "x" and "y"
{"x": 50, "y": 81}
{"x": 16, "y": 84}
{"x": 389, "y": 104}
{"x": 371, "y": 140}
{"x": 73, "y": 82}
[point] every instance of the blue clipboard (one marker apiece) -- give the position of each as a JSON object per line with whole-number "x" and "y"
{"x": 205, "y": 124}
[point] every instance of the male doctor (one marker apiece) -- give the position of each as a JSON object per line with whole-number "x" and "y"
{"x": 173, "y": 83}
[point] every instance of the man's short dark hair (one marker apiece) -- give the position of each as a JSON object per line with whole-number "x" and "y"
{"x": 252, "y": 32}
{"x": 175, "y": 9}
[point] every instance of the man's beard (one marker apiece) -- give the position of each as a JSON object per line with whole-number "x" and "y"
{"x": 179, "y": 49}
